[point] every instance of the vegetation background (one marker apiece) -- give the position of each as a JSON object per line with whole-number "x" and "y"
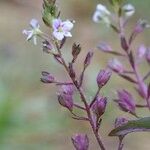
{"x": 30, "y": 116}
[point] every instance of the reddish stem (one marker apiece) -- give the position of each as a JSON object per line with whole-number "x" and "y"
{"x": 83, "y": 98}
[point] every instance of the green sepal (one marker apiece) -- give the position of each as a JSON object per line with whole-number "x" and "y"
{"x": 49, "y": 12}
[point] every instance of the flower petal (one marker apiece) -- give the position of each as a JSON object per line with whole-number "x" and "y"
{"x": 58, "y": 35}
{"x": 103, "y": 9}
{"x": 34, "y": 23}
{"x": 67, "y": 25}
{"x": 56, "y": 23}
{"x": 67, "y": 34}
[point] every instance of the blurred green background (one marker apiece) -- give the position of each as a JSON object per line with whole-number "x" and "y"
{"x": 30, "y": 117}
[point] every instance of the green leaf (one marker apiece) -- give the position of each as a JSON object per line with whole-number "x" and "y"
{"x": 142, "y": 124}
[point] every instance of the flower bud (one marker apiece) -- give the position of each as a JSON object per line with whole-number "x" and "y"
{"x": 47, "y": 47}
{"x": 124, "y": 43}
{"x": 99, "y": 106}
{"x": 141, "y": 51}
{"x": 101, "y": 14}
{"x": 116, "y": 65}
{"x": 47, "y": 77}
{"x": 80, "y": 142}
{"x": 65, "y": 96}
{"x": 76, "y": 49}
{"x": 104, "y": 47}
{"x": 66, "y": 100}
{"x": 126, "y": 101}
{"x": 120, "y": 121}
{"x": 128, "y": 9}
{"x": 140, "y": 26}
{"x": 103, "y": 77}
{"x": 88, "y": 58}
{"x": 72, "y": 71}
{"x": 67, "y": 89}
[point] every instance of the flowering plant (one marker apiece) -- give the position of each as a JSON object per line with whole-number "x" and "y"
{"x": 94, "y": 109}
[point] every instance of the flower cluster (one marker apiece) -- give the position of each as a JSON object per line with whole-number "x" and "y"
{"x": 94, "y": 109}
{"x": 132, "y": 74}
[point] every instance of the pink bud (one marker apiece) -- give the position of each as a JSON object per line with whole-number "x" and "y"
{"x": 66, "y": 100}
{"x": 116, "y": 66}
{"x": 65, "y": 96}
{"x": 99, "y": 106}
{"x": 88, "y": 58}
{"x": 103, "y": 77}
{"x": 140, "y": 26}
{"x": 80, "y": 142}
{"x": 47, "y": 77}
{"x": 141, "y": 51}
{"x": 67, "y": 89}
{"x": 124, "y": 43}
{"x": 104, "y": 47}
{"x": 126, "y": 101}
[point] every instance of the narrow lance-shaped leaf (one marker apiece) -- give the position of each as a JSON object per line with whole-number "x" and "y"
{"x": 142, "y": 124}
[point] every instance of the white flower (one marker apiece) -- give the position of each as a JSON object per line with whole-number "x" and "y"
{"x": 103, "y": 9}
{"x": 101, "y": 14}
{"x": 34, "y": 32}
{"x": 62, "y": 29}
{"x": 128, "y": 9}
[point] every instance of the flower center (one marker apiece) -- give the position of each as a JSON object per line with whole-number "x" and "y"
{"x": 60, "y": 29}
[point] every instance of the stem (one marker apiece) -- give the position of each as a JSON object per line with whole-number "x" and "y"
{"x": 120, "y": 146}
{"x": 138, "y": 77}
{"x": 94, "y": 99}
{"x": 83, "y": 98}
{"x": 141, "y": 106}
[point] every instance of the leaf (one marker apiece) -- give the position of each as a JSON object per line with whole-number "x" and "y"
{"x": 142, "y": 124}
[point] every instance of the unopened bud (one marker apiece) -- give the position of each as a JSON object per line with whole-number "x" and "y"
{"x": 104, "y": 47}
{"x": 126, "y": 101}
{"x": 76, "y": 49}
{"x": 103, "y": 77}
{"x": 124, "y": 43}
{"x": 47, "y": 47}
{"x": 80, "y": 142}
{"x": 141, "y": 51}
{"x": 47, "y": 77}
{"x": 67, "y": 89}
{"x": 66, "y": 100}
{"x": 65, "y": 96}
{"x": 88, "y": 58}
{"x": 140, "y": 26}
{"x": 116, "y": 65}
{"x": 71, "y": 71}
{"x": 99, "y": 106}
